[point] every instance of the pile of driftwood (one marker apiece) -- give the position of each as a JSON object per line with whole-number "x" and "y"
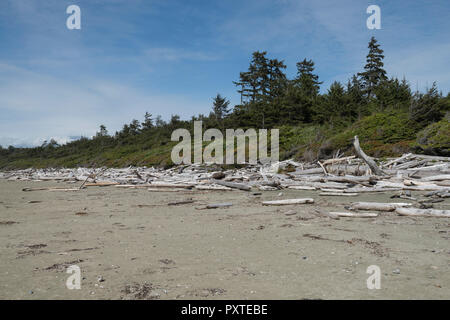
{"x": 341, "y": 176}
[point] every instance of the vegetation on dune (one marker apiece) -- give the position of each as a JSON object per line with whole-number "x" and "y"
{"x": 386, "y": 115}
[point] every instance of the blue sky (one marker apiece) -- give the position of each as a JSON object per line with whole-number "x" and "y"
{"x": 171, "y": 57}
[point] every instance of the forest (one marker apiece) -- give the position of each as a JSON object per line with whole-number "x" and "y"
{"x": 388, "y": 116}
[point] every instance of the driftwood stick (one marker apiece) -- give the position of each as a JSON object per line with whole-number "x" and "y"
{"x": 372, "y": 165}
{"x": 377, "y": 206}
{"x": 287, "y": 202}
{"x": 355, "y": 214}
{"x": 219, "y": 205}
{"x": 239, "y": 186}
{"x": 423, "y": 212}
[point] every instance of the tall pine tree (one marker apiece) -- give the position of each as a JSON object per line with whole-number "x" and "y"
{"x": 373, "y": 74}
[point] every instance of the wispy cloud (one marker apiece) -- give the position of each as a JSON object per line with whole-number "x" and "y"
{"x": 38, "y": 107}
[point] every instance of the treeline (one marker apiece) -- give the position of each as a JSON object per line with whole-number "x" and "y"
{"x": 269, "y": 99}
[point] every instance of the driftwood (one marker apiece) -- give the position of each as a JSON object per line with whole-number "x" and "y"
{"x": 377, "y": 206}
{"x": 338, "y": 194}
{"x": 50, "y": 189}
{"x": 219, "y": 205}
{"x": 101, "y": 184}
{"x": 288, "y": 202}
{"x": 355, "y": 214}
{"x": 212, "y": 187}
{"x": 437, "y": 178}
{"x": 331, "y": 161}
{"x": 233, "y": 185}
{"x": 423, "y": 212}
{"x": 177, "y": 203}
{"x": 372, "y": 165}
{"x": 302, "y": 188}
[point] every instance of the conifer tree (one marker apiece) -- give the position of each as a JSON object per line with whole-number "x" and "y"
{"x": 373, "y": 74}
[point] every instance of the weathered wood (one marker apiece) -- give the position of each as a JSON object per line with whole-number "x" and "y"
{"x": 404, "y": 157}
{"x": 288, "y": 202}
{"x": 372, "y": 165}
{"x": 212, "y": 187}
{"x": 377, "y": 206}
{"x": 336, "y": 160}
{"x": 442, "y": 177}
{"x": 423, "y": 212}
{"x": 219, "y": 205}
{"x": 342, "y": 194}
{"x": 355, "y": 214}
{"x": 233, "y": 185}
{"x": 102, "y": 184}
{"x": 50, "y": 189}
{"x": 177, "y": 203}
{"x": 302, "y": 187}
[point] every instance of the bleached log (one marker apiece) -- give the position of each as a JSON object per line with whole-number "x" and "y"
{"x": 177, "y": 203}
{"x": 433, "y": 158}
{"x": 308, "y": 171}
{"x": 288, "y": 202}
{"x": 213, "y": 188}
{"x": 404, "y": 157}
{"x": 165, "y": 190}
{"x": 411, "y": 164}
{"x": 355, "y": 214}
{"x": 102, "y": 184}
{"x": 367, "y": 190}
{"x": 267, "y": 188}
{"x": 170, "y": 185}
{"x": 437, "y": 167}
{"x": 302, "y": 187}
{"x": 233, "y": 185}
{"x": 423, "y": 212}
{"x": 378, "y": 206}
{"x": 342, "y": 194}
{"x": 331, "y": 161}
{"x": 441, "y": 177}
{"x": 372, "y": 165}
{"x": 133, "y": 186}
{"x": 50, "y": 189}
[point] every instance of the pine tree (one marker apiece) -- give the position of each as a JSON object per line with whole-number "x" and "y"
{"x": 148, "y": 121}
{"x": 306, "y": 80}
{"x": 103, "y": 132}
{"x": 374, "y": 73}
{"x": 220, "y": 107}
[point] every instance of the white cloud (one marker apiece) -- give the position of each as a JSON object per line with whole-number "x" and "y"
{"x": 38, "y": 107}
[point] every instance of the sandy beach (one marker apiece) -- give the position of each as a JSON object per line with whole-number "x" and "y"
{"x": 130, "y": 244}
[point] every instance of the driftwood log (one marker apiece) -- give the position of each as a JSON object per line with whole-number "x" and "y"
{"x": 423, "y": 212}
{"x": 377, "y": 206}
{"x": 288, "y": 202}
{"x": 370, "y": 162}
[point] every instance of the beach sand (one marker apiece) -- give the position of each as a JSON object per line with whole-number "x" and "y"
{"x": 130, "y": 244}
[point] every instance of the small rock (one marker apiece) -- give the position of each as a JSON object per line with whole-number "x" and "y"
{"x": 396, "y": 271}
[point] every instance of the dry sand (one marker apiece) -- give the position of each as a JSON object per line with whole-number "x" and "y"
{"x": 143, "y": 249}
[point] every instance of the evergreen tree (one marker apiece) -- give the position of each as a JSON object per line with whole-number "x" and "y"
{"x": 103, "y": 132}
{"x": 148, "y": 121}
{"x": 220, "y": 107}
{"x": 428, "y": 107}
{"x": 356, "y": 97}
{"x": 306, "y": 80}
{"x": 301, "y": 93}
{"x": 374, "y": 73}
